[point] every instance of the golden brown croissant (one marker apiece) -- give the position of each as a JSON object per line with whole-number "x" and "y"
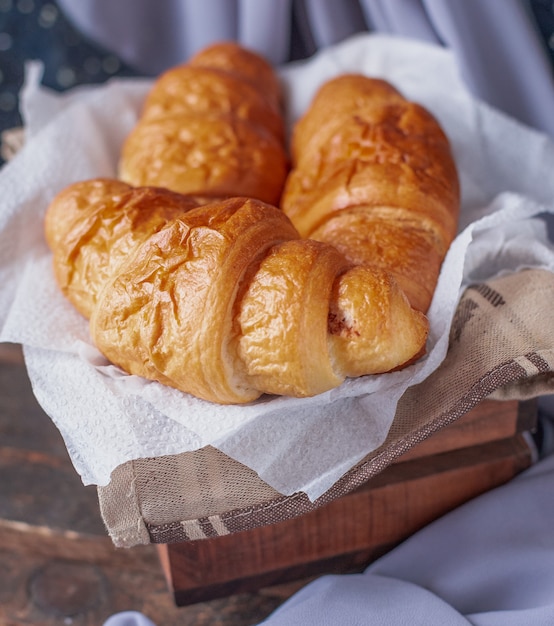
{"x": 373, "y": 174}
{"x": 213, "y": 126}
{"x": 93, "y": 226}
{"x": 225, "y": 300}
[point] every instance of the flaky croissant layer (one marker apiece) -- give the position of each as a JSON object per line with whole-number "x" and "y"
{"x": 224, "y": 300}
{"x": 213, "y": 125}
{"x": 373, "y": 174}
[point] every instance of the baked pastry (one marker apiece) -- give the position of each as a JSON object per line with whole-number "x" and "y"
{"x": 214, "y": 126}
{"x": 224, "y": 300}
{"x": 373, "y": 174}
{"x": 93, "y": 227}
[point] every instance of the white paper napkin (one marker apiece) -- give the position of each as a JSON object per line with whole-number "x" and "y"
{"x": 107, "y": 417}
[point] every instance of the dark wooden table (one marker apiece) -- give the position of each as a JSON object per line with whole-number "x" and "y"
{"x": 57, "y": 563}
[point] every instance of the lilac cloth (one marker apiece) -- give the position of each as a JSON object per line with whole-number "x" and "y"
{"x": 488, "y": 563}
{"x": 497, "y": 42}
{"x": 128, "y": 618}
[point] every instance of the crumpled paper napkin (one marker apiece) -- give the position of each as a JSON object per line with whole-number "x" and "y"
{"x": 107, "y": 417}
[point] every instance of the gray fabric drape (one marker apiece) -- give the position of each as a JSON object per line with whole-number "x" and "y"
{"x": 499, "y": 47}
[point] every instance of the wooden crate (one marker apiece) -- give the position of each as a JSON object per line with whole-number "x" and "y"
{"x": 482, "y": 450}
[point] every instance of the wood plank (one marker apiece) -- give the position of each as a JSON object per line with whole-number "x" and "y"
{"x": 39, "y": 484}
{"x": 48, "y": 580}
{"x": 490, "y": 420}
{"x": 347, "y": 533}
{"x": 57, "y": 563}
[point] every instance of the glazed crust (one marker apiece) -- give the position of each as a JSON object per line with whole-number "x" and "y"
{"x": 373, "y": 174}
{"x": 249, "y": 67}
{"x": 93, "y": 226}
{"x": 214, "y": 126}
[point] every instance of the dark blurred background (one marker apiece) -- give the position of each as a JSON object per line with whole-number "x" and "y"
{"x": 37, "y": 29}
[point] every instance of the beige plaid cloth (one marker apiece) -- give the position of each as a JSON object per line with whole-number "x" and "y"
{"x": 501, "y": 346}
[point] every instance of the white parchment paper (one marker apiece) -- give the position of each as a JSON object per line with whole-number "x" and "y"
{"x": 107, "y": 417}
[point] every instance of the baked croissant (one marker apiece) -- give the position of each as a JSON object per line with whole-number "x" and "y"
{"x": 373, "y": 174}
{"x": 224, "y": 301}
{"x": 214, "y": 126}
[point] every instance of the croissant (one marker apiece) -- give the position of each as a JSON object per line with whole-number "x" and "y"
{"x": 214, "y": 126}
{"x": 223, "y": 300}
{"x": 373, "y": 175}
